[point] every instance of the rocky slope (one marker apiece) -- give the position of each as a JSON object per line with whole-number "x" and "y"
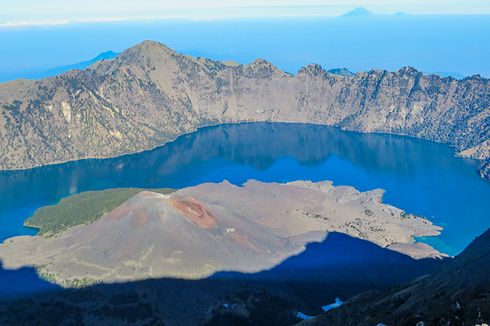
{"x": 457, "y": 293}
{"x": 197, "y": 231}
{"x": 150, "y": 94}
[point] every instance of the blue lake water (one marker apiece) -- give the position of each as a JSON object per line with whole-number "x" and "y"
{"x": 421, "y": 177}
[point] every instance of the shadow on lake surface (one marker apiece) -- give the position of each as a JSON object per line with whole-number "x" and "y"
{"x": 340, "y": 266}
{"x": 22, "y": 282}
{"x": 421, "y": 177}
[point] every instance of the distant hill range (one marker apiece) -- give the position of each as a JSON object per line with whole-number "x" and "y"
{"x": 361, "y": 12}
{"x": 150, "y": 94}
{"x": 81, "y": 65}
{"x": 453, "y": 74}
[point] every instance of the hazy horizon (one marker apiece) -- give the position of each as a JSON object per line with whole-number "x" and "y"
{"x": 432, "y": 44}
{"x": 25, "y": 12}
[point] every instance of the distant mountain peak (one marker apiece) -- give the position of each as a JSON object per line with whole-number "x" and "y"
{"x": 149, "y": 48}
{"x": 154, "y": 45}
{"x": 260, "y": 61}
{"x": 408, "y": 70}
{"x": 105, "y": 55}
{"x": 262, "y": 68}
{"x": 358, "y": 12}
{"x": 401, "y": 13}
{"x": 341, "y": 72}
{"x": 312, "y": 69}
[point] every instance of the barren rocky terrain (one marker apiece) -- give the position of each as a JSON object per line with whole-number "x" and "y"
{"x": 195, "y": 232}
{"x": 150, "y": 94}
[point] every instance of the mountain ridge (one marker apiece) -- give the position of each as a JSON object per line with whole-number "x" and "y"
{"x": 150, "y": 94}
{"x": 50, "y": 72}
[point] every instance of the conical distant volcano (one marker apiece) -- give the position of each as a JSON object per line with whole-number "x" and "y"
{"x": 358, "y": 12}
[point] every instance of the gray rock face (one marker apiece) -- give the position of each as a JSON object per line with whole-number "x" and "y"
{"x": 150, "y": 94}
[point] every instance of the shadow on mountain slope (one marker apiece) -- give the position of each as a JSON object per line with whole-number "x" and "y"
{"x": 340, "y": 266}
{"x": 455, "y": 293}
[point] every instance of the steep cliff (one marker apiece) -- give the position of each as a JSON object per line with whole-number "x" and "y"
{"x": 150, "y": 94}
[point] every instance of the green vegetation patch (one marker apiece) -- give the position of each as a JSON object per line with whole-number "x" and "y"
{"x": 80, "y": 209}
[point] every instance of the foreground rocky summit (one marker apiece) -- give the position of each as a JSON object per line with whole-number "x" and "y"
{"x": 150, "y": 94}
{"x": 457, "y": 293}
{"x": 198, "y": 231}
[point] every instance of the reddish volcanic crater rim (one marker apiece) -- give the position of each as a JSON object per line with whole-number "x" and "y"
{"x": 195, "y": 211}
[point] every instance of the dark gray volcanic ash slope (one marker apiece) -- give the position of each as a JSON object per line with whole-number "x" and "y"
{"x": 150, "y": 94}
{"x": 457, "y": 293}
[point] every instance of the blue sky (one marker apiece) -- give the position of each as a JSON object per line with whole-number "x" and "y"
{"x": 18, "y": 12}
{"x": 455, "y": 44}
